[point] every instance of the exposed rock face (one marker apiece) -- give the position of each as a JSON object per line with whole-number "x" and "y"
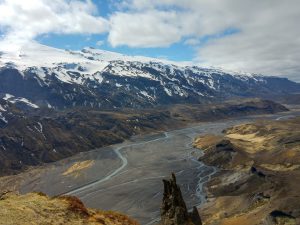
{"x": 195, "y": 217}
{"x": 221, "y": 155}
{"x": 173, "y": 209}
{"x": 277, "y": 217}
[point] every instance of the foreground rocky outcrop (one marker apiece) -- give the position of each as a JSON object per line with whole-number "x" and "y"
{"x": 173, "y": 209}
{"x": 259, "y": 177}
{"x": 37, "y": 208}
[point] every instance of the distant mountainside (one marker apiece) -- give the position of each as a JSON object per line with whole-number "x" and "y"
{"x": 54, "y": 78}
{"x": 32, "y": 137}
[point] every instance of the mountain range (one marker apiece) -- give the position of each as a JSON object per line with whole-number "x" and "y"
{"x": 42, "y": 76}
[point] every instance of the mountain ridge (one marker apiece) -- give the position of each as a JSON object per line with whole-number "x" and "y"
{"x": 54, "y": 78}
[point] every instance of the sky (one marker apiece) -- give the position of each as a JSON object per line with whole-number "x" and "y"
{"x": 257, "y": 36}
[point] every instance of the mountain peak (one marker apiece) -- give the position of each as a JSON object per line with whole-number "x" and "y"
{"x": 34, "y": 54}
{"x": 57, "y": 78}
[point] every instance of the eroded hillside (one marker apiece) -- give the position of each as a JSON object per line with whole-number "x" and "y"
{"x": 259, "y": 177}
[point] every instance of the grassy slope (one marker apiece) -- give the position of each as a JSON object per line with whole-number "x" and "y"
{"x": 36, "y": 208}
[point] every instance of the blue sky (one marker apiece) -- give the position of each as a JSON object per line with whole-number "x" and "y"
{"x": 244, "y": 35}
{"x": 179, "y": 51}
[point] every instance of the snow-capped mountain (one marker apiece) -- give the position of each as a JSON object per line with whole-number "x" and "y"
{"x": 3, "y": 109}
{"x": 43, "y": 76}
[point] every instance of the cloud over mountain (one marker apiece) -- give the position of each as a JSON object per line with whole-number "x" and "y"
{"x": 25, "y": 20}
{"x": 247, "y": 35}
{"x": 266, "y": 38}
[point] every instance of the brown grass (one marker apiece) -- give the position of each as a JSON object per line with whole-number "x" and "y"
{"x": 207, "y": 141}
{"x": 37, "y": 208}
{"x": 75, "y": 205}
{"x": 78, "y": 166}
{"x": 111, "y": 217}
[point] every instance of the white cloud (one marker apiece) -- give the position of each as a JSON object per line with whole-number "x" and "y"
{"x": 100, "y": 43}
{"x": 192, "y": 41}
{"x": 268, "y": 41}
{"x": 147, "y": 29}
{"x": 25, "y": 20}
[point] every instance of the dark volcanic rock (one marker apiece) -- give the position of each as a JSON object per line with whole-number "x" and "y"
{"x": 173, "y": 209}
{"x": 277, "y": 217}
{"x": 219, "y": 156}
{"x": 195, "y": 217}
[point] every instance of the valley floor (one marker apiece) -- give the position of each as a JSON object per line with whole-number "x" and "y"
{"x": 127, "y": 177}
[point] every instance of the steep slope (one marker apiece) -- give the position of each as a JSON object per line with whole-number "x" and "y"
{"x": 100, "y": 79}
{"x": 258, "y": 181}
{"x": 28, "y": 140}
{"x": 173, "y": 208}
{"x": 37, "y": 208}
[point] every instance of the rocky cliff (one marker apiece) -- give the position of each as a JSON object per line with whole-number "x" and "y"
{"x": 173, "y": 208}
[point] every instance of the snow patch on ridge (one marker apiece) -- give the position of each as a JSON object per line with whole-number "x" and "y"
{"x": 89, "y": 63}
{"x": 3, "y": 118}
{"x": 2, "y": 109}
{"x": 13, "y": 99}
